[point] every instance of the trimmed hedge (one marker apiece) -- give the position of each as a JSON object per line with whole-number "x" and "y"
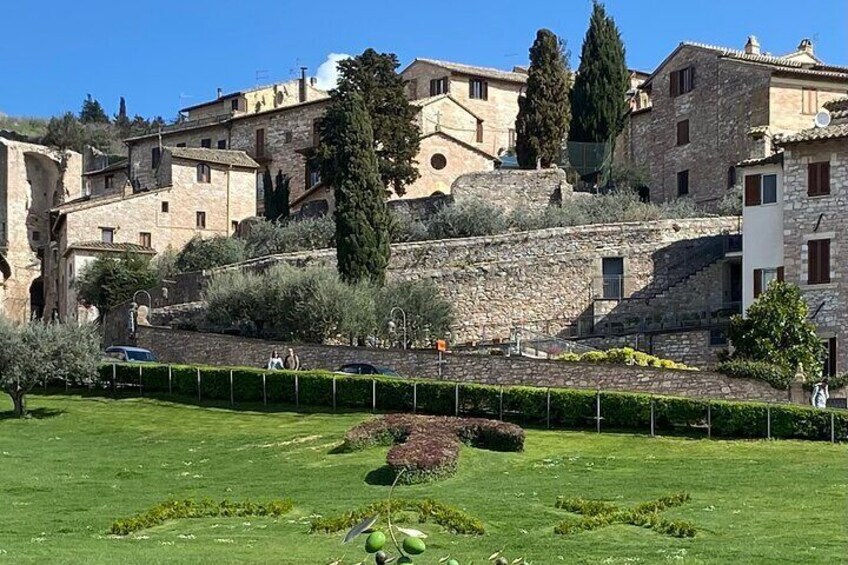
{"x": 775, "y": 375}
{"x": 428, "y": 510}
{"x": 569, "y": 408}
{"x": 595, "y": 514}
{"x": 624, "y": 356}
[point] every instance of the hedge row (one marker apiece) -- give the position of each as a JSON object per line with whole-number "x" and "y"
{"x": 556, "y": 408}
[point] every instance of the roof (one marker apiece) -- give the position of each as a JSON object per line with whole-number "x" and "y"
{"x": 838, "y": 131}
{"x": 111, "y": 247}
{"x": 218, "y": 100}
{"x": 773, "y": 159}
{"x": 421, "y": 102}
{"x": 460, "y": 68}
{"x": 87, "y": 202}
{"x": 217, "y": 156}
{"x": 838, "y": 108}
{"x": 117, "y": 166}
{"x": 309, "y": 192}
{"x": 462, "y": 143}
{"x": 780, "y": 63}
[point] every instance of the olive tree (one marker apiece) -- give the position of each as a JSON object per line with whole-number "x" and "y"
{"x": 33, "y": 353}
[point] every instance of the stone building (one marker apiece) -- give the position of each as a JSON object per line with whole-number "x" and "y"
{"x": 33, "y": 179}
{"x": 199, "y": 191}
{"x": 704, "y": 101}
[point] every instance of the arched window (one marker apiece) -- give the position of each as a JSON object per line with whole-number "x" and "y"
{"x": 438, "y": 161}
{"x": 204, "y": 173}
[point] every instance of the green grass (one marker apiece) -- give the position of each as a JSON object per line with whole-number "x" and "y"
{"x": 30, "y": 127}
{"x": 66, "y": 474}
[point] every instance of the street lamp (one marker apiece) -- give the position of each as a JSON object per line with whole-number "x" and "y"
{"x": 393, "y": 326}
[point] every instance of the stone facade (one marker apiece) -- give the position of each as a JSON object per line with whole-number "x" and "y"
{"x": 173, "y": 346}
{"x": 732, "y": 92}
{"x": 153, "y": 220}
{"x": 256, "y": 100}
{"x": 33, "y": 179}
{"x": 510, "y": 189}
{"x": 441, "y": 160}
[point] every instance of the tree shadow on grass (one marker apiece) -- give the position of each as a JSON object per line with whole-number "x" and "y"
{"x": 381, "y": 477}
{"x": 34, "y": 414}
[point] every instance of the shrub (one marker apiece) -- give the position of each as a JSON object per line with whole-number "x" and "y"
{"x": 269, "y": 238}
{"x": 775, "y": 375}
{"x": 467, "y": 218}
{"x": 624, "y": 356}
{"x": 200, "y": 254}
{"x": 428, "y": 510}
{"x": 429, "y": 315}
{"x": 173, "y": 509}
{"x": 427, "y": 448}
{"x": 109, "y": 281}
{"x": 597, "y": 514}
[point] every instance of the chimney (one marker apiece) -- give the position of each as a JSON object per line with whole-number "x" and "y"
{"x": 752, "y": 46}
{"x": 313, "y": 81}
{"x": 806, "y": 46}
{"x": 220, "y": 93}
{"x": 302, "y": 85}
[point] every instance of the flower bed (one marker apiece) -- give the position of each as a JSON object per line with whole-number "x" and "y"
{"x": 427, "y": 447}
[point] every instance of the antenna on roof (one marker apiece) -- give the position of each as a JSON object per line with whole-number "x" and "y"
{"x": 822, "y": 119}
{"x": 261, "y": 75}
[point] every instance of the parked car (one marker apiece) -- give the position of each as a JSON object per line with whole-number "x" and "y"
{"x": 366, "y": 369}
{"x": 131, "y": 354}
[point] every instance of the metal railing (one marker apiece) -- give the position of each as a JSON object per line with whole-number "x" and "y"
{"x": 530, "y": 343}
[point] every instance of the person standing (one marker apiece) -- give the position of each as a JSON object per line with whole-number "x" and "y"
{"x": 820, "y": 394}
{"x": 275, "y": 363}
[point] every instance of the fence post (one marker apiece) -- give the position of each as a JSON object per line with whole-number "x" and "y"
{"x": 334, "y": 394}
{"x": 296, "y": 391}
{"x": 67, "y": 384}
{"x": 232, "y": 398}
{"x": 768, "y": 422}
{"x": 414, "y": 397}
{"x": 598, "y": 410}
{"x": 652, "y": 418}
{"x": 373, "y": 395}
{"x": 114, "y": 378}
{"x": 170, "y": 386}
{"x": 140, "y": 381}
{"x": 198, "y": 384}
{"x": 548, "y": 410}
{"x": 500, "y": 407}
{"x": 264, "y": 392}
{"x": 832, "y": 428}
{"x": 456, "y": 399}
{"x": 709, "y": 420}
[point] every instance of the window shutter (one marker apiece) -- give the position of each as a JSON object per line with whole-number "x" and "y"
{"x": 812, "y": 262}
{"x": 758, "y": 282}
{"x": 691, "y": 71}
{"x": 485, "y": 90}
{"x": 752, "y": 190}
{"x": 824, "y": 178}
{"x": 812, "y": 179}
{"x": 824, "y": 261}
{"x": 672, "y": 84}
{"x": 780, "y": 274}
{"x": 831, "y": 358}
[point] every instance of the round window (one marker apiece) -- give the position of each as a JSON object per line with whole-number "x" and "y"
{"x": 438, "y": 161}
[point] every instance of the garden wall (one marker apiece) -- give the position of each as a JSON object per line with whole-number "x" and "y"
{"x": 173, "y": 346}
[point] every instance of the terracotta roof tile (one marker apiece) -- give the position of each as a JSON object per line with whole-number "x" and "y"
{"x": 104, "y": 246}
{"x": 219, "y": 156}
{"x": 814, "y": 134}
{"x": 487, "y": 72}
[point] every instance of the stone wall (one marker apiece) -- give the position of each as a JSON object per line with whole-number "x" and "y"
{"x": 510, "y": 189}
{"x": 173, "y": 346}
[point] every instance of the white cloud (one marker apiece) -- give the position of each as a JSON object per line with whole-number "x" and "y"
{"x": 328, "y": 75}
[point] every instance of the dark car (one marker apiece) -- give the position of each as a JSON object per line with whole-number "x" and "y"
{"x": 132, "y": 354}
{"x": 366, "y": 369}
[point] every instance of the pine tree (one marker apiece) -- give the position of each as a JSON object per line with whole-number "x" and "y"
{"x": 92, "y": 112}
{"x": 395, "y": 134}
{"x": 350, "y": 166}
{"x": 268, "y": 195}
{"x": 281, "y": 196}
{"x": 543, "y": 113}
{"x": 598, "y": 102}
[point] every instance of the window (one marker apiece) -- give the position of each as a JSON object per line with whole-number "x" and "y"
{"x": 234, "y": 225}
{"x": 206, "y": 143}
{"x": 201, "y": 220}
{"x": 478, "y": 89}
{"x": 718, "y": 337}
{"x": 612, "y": 269}
{"x": 107, "y": 235}
{"x": 234, "y": 104}
{"x": 288, "y": 136}
{"x": 809, "y": 100}
{"x": 108, "y": 181}
{"x": 818, "y": 261}
{"x": 316, "y": 132}
{"x": 155, "y": 155}
{"x": 683, "y": 132}
{"x": 314, "y": 177}
{"x": 204, "y": 173}
{"x": 731, "y": 177}
{"x": 479, "y": 131}
{"x": 511, "y": 138}
{"x": 683, "y": 183}
{"x": 36, "y": 236}
{"x": 818, "y": 179}
{"x": 764, "y": 277}
{"x": 260, "y": 142}
{"x": 829, "y": 360}
{"x": 165, "y": 207}
{"x": 438, "y": 161}
{"x": 438, "y": 86}
{"x": 181, "y": 144}
{"x": 760, "y": 189}
{"x": 222, "y": 144}
{"x": 144, "y": 239}
{"x": 681, "y": 82}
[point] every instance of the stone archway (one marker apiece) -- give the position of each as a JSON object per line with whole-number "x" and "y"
{"x": 36, "y": 298}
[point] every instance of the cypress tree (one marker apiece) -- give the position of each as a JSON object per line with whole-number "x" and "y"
{"x": 122, "y": 109}
{"x": 396, "y": 136}
{"x": 598, "y": 102}
{"x": 543, "y": 113}
{"x": 350, "y": 167}
{"x": 268, "y": 196}
{"x": 281, "y": 196}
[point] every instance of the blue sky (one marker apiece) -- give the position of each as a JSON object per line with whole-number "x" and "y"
{"x": 163, "y": 54}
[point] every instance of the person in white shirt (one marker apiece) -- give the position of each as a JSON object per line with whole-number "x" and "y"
{"x": 820, "y": 394}
{"x": 275, "y": 362}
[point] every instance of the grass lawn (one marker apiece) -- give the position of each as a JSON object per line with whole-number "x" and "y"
{"x": 82, "y": 462}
